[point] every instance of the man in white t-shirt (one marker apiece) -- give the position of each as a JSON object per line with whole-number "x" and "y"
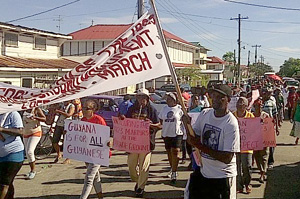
{"x": 217, "y": 137}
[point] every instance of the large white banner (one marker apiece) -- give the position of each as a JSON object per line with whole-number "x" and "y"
{"x": 87, "y": 142}
{"x": 136, "y": 56}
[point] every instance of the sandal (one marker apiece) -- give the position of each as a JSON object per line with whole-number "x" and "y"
{"x": 57, "y": 159}
{"x": 66, "y": 161}
{"x": 248, "y": 189}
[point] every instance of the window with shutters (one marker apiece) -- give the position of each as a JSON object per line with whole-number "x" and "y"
{"x": 11, "y": 39}
{"x": 40, "y": 43}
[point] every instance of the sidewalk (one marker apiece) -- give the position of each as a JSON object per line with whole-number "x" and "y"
{"x": 66, "y": 181}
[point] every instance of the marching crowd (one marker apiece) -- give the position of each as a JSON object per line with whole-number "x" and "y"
{"x": 219, "y": 167}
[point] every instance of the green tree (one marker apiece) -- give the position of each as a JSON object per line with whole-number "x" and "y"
{"x": 191, "y": 76}
{"x": 289, "y": 67}
{"x": 260, "y": 69}
{"x": 228, "y": 56}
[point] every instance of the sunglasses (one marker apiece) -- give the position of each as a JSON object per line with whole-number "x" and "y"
{"x": 87, "y": 108}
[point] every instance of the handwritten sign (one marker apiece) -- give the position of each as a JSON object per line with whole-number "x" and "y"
{"x": 131, "y": 135}
{"x": 269, "y": 139}
{"x": 250, "y": 133}
{"x": 255, "y": 135}
{"x": 254, "y": 96}
{"x": 85, "y": 141}
{"x": 232, "y": 103}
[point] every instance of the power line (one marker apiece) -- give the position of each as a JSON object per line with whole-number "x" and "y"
{"x": 43, "y": 11}
{"x": 264, "y": 6}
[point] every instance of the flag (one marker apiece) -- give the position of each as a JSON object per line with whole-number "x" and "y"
{"x": 135, "y": 56}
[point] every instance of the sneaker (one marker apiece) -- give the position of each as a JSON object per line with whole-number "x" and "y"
{"x": 248, "y": 189}
{"x": 31, "y": 175}
{"x": 270, "y": 167}
{"x": 174, "y": 177}
{"x": 139, "y": 193}
{"x": 170, "y": 174}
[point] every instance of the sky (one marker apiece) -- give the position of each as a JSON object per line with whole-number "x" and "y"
{"x": 274, "y": 25}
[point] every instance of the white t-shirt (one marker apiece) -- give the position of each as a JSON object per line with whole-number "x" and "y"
{"x": 61, "y": 119}
{"x": 218, "y": 133}
{"x": 171, "y": 117}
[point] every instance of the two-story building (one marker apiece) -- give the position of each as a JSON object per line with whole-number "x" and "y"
{"x": 215, "y": 68}
{"x": 89, "y": 40}
{"x": 31, "y": 57}
{"x": 200, "y": 56}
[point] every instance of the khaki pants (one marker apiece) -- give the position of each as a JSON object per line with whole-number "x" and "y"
{"x": 139, "y": 168}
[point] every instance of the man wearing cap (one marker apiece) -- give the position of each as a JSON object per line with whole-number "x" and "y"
{"x": 143, "y": 110}
{"x": 218, "y": 139}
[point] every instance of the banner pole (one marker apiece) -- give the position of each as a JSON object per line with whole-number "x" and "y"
{"x": 173, "y": 74}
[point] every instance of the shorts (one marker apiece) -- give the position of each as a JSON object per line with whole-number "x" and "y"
{"x": 173, "y": 142}
{"x": 8, "y": 171}
{"x": 57, "y": 134}
{"x": 211, "y": 188}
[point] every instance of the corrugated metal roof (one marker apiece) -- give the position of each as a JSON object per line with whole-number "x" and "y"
{"x": 112, "y": 31}
{"x": 7, "y": 61}
{"x": 216, "y": 60}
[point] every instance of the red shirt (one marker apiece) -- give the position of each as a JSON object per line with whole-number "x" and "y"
{"x": 186, "y": 95}
{"x": 96, "y": 119}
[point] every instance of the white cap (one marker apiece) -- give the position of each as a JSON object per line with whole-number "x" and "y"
{"x": 142, "y": 91}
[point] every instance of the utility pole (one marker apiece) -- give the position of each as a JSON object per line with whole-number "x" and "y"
{"x": 239, "y": 46}
{"x": 140, "y": 8}
{"x": 262, "y": 60}
{"x": 256, "y": 46}
{"x": 140, "y": 14}
{"x": 234, "y": 65}
{"x": 248, "y": 64}
{"x": 59, "y": 20}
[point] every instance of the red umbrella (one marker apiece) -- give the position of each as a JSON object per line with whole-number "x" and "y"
{"x": 275, "y": 77}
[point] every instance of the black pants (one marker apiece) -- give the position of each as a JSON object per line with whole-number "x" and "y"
{"x": 8, "y": 172}
{"x": 204, "y": 188}
{"x": 186, "y": 148}
{"x": 271, "y": 156}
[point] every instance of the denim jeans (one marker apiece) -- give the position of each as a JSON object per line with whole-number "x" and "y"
{"x": 92, "y": 178}
{"x": 244, "y": 169}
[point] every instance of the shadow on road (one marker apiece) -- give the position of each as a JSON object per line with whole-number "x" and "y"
{"x": 148, "y": 195}
{"x": 58, "y": 196}
{"x": 283, "y": 182}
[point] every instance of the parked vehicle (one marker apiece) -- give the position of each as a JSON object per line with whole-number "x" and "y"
{"x": 291, "y": 83}
{"x": 213, "y": 82}
{"x": 107, "y": 106}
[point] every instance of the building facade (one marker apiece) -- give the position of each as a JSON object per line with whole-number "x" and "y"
{"x": 92, "y": 39}
{"x": 31, "y": 57}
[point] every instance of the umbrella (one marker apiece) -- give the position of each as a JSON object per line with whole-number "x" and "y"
{"x": 274, "y": 77}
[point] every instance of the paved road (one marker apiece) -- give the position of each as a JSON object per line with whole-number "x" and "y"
{"x": 66, "y": 181}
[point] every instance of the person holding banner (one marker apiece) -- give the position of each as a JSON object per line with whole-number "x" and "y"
{"x": 218, "y": 139}
{"x": 142, "y": 110}
{"x": 32, "y": 135}
{"x": 11, "y": 152}
{"x": 244, "y": 158}
{"x": 66, "y": 113}
{"x": 172, "y": 133}
{"x": 260, "y": 156}
{"x": 92, "y": 176}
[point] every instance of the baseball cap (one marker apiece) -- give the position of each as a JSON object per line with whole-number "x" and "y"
{"x": 172, "y": 95}
{"x": 142, "y": 91}
{"x": 222, "y": 88}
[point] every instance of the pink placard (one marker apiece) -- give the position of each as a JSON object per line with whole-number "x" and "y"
{"x": 269, "y": 138}
{"x": 131, "y": 135}
{"x": 250, "y": 134}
